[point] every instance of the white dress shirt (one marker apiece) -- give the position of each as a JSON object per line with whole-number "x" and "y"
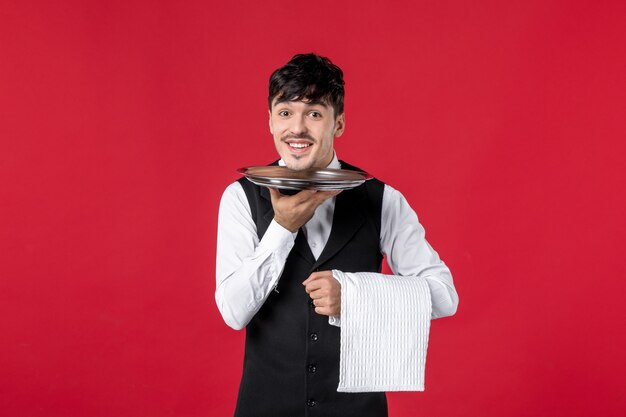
{"x": 248, "y": 269}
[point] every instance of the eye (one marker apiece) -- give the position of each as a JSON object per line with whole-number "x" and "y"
{"x": 283, "y": 113}
{"x": 315, "y": 114}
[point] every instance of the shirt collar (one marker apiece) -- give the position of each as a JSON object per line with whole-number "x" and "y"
{"x": 334, "y": 164}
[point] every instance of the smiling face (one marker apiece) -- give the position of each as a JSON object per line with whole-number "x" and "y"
{"x": 304, "y": 133}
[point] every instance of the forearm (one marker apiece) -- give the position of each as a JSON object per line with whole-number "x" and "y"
{"x": 243, "y": 284}
{"x": 429, "y": 267}
{"x": 247, "y": 270}
{"x": 443, "y": 294}
{"x": 444, "y": 299}
{"x": 408, "y": 253}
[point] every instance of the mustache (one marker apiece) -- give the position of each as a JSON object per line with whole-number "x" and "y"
{"x": 300, "y": 136}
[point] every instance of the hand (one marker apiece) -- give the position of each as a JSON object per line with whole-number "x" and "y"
{"x": 292, "y": 212}
{"x": 325, "y": 291}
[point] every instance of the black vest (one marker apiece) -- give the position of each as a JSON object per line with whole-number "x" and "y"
{"x": 291, "y": 362}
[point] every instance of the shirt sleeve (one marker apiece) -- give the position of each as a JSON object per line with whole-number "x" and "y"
{"x": 403, "y": 242}
{"x": 247, "y": 269}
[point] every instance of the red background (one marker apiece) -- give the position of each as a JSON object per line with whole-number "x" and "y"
{"x": 122, "y": 122}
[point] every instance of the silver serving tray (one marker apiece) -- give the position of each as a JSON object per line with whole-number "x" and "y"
{"x": 309, "y": 179}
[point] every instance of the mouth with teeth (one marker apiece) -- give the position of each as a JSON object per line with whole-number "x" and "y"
{"x": 298, "y": 146}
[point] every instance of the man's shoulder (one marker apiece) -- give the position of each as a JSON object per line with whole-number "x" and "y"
{"x": 233, "y": 193}
{"x": 234, "y": 187}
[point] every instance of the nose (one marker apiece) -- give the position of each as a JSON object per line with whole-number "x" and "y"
{"x": 298, "y": 125}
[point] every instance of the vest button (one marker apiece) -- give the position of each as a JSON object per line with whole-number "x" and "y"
{"x": 311, "y": 403}
{"x": 314, "y": 337}
{"x": 312, "y": 369}
{"x": 311, "y": 303}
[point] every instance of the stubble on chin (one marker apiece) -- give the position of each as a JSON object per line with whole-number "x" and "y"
{"x": 297, "y": 163}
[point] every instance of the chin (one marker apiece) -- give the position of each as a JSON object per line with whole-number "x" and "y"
{"x": 298, "y": 167}
{"x": 297, "y": 164}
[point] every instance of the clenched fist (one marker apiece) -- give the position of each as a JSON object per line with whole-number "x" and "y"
{"x": 325, "y": 291}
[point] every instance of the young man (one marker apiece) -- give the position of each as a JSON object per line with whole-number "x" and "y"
{"x": 276, "y": 254}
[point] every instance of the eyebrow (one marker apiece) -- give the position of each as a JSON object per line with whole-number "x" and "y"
{"x": 307, "y": 103}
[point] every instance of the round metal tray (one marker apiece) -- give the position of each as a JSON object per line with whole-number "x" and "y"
{"x": 309, "y": 179}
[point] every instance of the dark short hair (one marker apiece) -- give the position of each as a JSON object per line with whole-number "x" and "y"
{"x": 311, "y": 78}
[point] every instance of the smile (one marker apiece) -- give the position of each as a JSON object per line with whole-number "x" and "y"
{"x": 299, "y": 145}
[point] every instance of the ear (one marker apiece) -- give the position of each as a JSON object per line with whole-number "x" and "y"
{"x": 270, "y": 121}
{"x": 340, "y": 124}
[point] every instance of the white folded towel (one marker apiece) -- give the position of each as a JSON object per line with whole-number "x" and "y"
{"x": 385, "y": 322}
